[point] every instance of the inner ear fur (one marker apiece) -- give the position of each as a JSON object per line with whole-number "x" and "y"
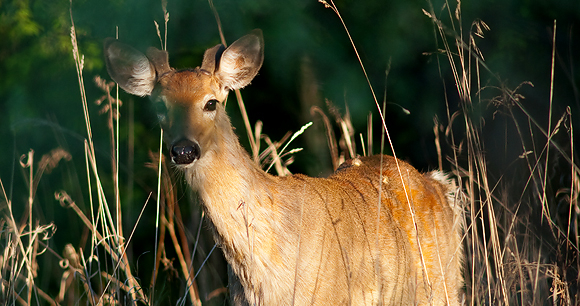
{"x": 241, "y": 61}
{"x": 130, "y": 68}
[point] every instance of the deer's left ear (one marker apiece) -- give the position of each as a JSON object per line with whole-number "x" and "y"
{"x": 241, "y": 61}
{"x": 130, "y": 68}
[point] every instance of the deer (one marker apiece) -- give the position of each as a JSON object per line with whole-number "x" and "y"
{"x": 375, "y": 232}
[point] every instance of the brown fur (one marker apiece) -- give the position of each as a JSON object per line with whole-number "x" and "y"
{"x": 375, "y": 232}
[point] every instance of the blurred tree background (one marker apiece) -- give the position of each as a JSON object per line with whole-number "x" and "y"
{"x": 308, "y": 58}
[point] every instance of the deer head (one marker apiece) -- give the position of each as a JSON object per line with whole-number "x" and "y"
{"x": 189, "y": 103}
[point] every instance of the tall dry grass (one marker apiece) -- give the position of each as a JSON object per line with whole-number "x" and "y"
{"x": 521, "y": 218}
{"x": 521, "y": 221}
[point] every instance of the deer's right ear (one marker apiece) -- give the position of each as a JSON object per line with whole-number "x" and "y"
{"x": 130, "y": 68}
{"x": 240, "y": 62}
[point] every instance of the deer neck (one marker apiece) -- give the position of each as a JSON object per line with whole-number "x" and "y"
{"x": 236, "y": 195}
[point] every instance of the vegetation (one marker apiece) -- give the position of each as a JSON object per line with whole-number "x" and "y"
{"x": 499, "y": 77}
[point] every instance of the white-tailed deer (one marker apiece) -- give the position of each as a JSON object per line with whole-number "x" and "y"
{"x": 375, "y": 232}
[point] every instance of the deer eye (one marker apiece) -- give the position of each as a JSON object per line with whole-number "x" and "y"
{"x": 210, "y": 105}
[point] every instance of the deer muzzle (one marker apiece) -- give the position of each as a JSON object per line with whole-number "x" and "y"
{"x": 184, "y": 152}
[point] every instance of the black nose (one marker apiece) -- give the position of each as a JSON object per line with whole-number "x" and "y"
{"x": 184, "y": 152}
